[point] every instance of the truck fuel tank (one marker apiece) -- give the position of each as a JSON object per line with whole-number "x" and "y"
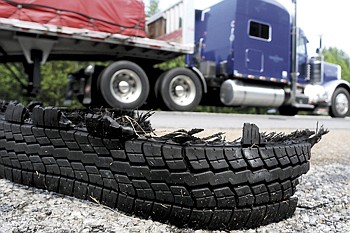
{"x": 237, "y": 93}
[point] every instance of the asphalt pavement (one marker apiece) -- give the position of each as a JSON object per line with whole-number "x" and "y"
{"x": 189, "y": 120}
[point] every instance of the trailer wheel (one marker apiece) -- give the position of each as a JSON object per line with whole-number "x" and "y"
{"x": 180, "y": 89}
{"x": 340, "y": 103}
{"x": 124, "y": 85}
{"x": 288, "y": 110}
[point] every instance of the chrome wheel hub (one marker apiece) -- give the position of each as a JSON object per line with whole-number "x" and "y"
{"x": 182, "y": 90}
{"x": 341, "y": 104}
{"x": 126, "y": 86}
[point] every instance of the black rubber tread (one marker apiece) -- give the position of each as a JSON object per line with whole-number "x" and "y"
{"x": 220, "y": 186}
{"x": 15, "y": 113}
{"x": 251, "y": 135}
{"x": 106, "y": 127}
{"x": 49, "y": 117}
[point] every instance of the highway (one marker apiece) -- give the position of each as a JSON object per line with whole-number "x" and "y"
{"x": 188, "y": 120}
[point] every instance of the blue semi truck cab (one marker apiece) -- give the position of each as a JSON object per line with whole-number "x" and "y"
{"x": 247, "y": 53}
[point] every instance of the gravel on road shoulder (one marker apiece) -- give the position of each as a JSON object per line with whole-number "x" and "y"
{"x": 323, "y": 206}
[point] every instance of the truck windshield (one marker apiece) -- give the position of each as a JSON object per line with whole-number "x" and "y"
{"x": 302, "y": 46}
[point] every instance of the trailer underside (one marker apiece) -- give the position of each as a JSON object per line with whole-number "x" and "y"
{"x": 16, "y": 46}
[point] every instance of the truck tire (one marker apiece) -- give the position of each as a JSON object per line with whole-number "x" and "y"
{"x": 180, "y": 89}
{"x": 340, "y": 105}
{"x": 288, "y": 110}
{"x": 217, "y": 185}
{"x": 124, "y": 85}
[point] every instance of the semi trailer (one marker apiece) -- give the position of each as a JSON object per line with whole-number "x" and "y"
{"x": 237, "y": 53}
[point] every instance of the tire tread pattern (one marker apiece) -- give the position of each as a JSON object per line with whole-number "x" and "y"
{"x": 199, "y": 186}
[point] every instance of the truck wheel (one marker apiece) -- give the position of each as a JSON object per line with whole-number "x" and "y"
{"x": 288, "y": 110}
{"x": 124, "y": 85}
{"x": 340, "y": 103}
{"x": 180, "y": 89}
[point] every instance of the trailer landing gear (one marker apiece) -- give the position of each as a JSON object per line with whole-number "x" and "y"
{"x": 33, "y": 72}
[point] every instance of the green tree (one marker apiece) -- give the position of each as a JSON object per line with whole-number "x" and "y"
{"x": 176, "y": 62}
{"x": 10, "y": 88}
{"x": 153, "y": 8}
{"x": 54, "y": 81}
{"x": 339, "y": 57}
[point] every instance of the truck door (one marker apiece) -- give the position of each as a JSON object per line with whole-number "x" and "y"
{"x": 262, "y": 41}
{"x": 254, "y": 60}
